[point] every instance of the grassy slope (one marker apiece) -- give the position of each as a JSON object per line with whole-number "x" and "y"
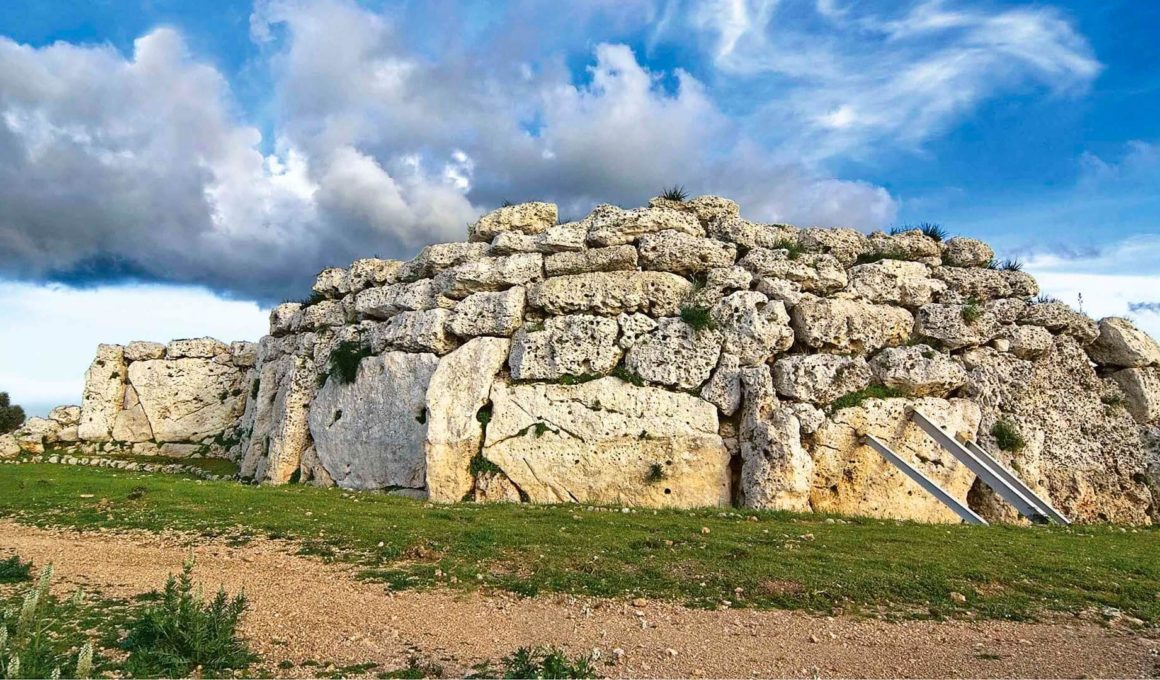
{"x": 780, "y": 560}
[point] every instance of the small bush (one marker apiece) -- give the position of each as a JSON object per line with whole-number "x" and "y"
{"x": 506, "y": 204}
{"x": 656, "y": 473}
{"x": 792, "y": 248}
{"x": 1044, "y": 299}
{"x": 971, "y": 311}
{"x": 345, "y": 358}
{"x": 675, "y": 193}
{"x": 621, "y": 371}
{"x": 483, "y": 415}
{"x": 314, "y": 298}
{"x": 871, "y": 392}
{"x": 36, "y": 639}
{"x": 480, "y": 465}
{"x": 541, "y": 663}
{"x": 1011, "y": 265}
{"x": 698, "y": 317}
{"x": 12, "y": 570}
{"x": 1007, "y": 436}
{"x": 933, "y": 231}
{"x": 416, "y": 669}
{"x": 183, "y": 633}
{"x": 11, "y": 417}
{"x": 879, "y": 255}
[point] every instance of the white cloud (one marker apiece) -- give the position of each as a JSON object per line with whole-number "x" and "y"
{"x": 51, "y": 332}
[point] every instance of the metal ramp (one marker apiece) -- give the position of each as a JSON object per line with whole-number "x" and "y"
{"x": 1009, "y": 487}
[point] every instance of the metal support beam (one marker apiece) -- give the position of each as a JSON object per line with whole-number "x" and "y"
{"x": 925, "y": 482}
{"x": 1044, "y": 506}
{"x": 983, "y": 467}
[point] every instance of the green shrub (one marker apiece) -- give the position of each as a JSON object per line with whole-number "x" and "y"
{"x": 871, "y": 392}
{"x": 879, "y": 255}
{"x": 480, "y": 465}
{"x": 11, "y": 417}
{"x": 675, "y": 193}
{"x": 183, "y": 633}
{"x": 345, "y": 358}
{"x": 569, "y": 379}
{"x": 933, "y": 231}
{"x": 34, "y": 640}
{"x": 1011, "y": 265}
{"x": 698, "y": 317}
{"x": 656, "y": 473}
{"x": 971, "y": 311}
{"x": 13, "y": 570}
{"x": 541, "y": 662}
{"x": 792, "y": 248}
{"x": 314, "y": 298}
{"x": 621, "y": 371}
{"x": 1007, "y": 436}
{"x": 1044, "y": 299}
{"x": 483, "y": 415}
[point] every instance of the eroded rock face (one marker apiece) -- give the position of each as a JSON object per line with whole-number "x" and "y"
{"x": 820, "y": 378}
{"x": 821, "y": 274}
{"x": 574, "y": 345}
{"x": 678, "y": 252}
{"x": 1141, "y": 389}
{"x": 752, "y": 328}
{"x": 611, "y": 293}
{"x": 918, "y": 371}
{"x": 458, "y": 389}
{"x": 675, "y": 354}
{"x": 186, "y": 400}
{"x": 370, "y": 434}
{"x": 525, "y": 218}
{"x": 607, "y": 441}
{"x": 849, "y": 325}
{"x": 967, "y": 252}
{"x": 776, "y": 471}
{"x": 907, "y": 284}
{"x": 611, "y": 226}
{"x": 851, "y": 477}
{"x": 103, "y": 394}
{"x": 1121, "y": 344}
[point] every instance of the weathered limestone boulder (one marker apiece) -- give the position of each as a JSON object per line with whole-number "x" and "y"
{"x": 956, "y": 326}
{"x": 558, "y": 239}
{"x": 724, "y": 387}
{"x": 495, "y": 487}
{"x": 966, "y": 252}
{"x": 325, "y": 314}
{"x": 789, "y": 293}
{"x": 612, "y": 226}
{"x": 386, "y": 301}
{"x": 1059, "y": 318}
{"x": 140, "y": 350}
{"x": 104, "y": 391}
{"x": 775, "y": 470}
{"x": 187, "y": 400}
{"x": 1027, "y": 342}
{"x": 911, "y": 244}
{"x": 678, "y": 252}
{"x": 632, "y": 327}
{"x": 608, "y": 442}
{"x": 281, "y": 318}
{"x": 1120, "y": 343}
{"x": 1088, "y": 458}
{"x": 853, "y": 478}
{"x": 372, "y": 271}
{"x": 66, "y": 416}
{"x": 981, "y": 284}
{"x": 610, "y": 259}
{"x": 718, "y": 282}
{"x": 895, "y": 282}
{"x": 490, "y": 274}
{"x": 489, "y": 313}
{"x": 525, "y": 218}
{"x": 332, "y": 283}
{"x": 195, "y": 348}
{"x": 675, "y": 354}
{"x": 611, "y": 293}
{"x": 435, "y": 258}
{"x": 750, "y": 235}
{"x": 243, "y": 354}
{"x": 9, "y": 447}
{"x": 844, "y": 244}
{"x": 820, "y": 378}
{"x": 577, "y": 344}
{"x": 752, "y": 328}
{"x": 458, "y": 389}
{"x": 707, "y": 208}
{"x": 918, "y": 371}
{"x": 849, "y": 325}
{"x": 1141, "y": 390}
{"x": 370, "y": 434}
{"x": 423, "y": 331}
{"x": 37, "y": 433}
{"x": 132, "y": 424}
{"x": 822, "y": 274}
{"x": 280, "y": 432}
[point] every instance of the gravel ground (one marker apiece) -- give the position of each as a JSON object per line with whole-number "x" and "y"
{"x": 304, "y": 610}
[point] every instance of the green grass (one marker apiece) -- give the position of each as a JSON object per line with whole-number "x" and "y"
{"x": 792, "y": 248}
{"x": 1007, "y": 436}
{"x": 14, "y": 570}
{"x": 700, "y": 318}
{"x": 857, "y": 565}
{"x": 971, "y": 311}
{"x": 871, "y": 392}
{"x": 539, "y": 662}
{"x": 675, "y": 193}
{"x": 345, "y": 359}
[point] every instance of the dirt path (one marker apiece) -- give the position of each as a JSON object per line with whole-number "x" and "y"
{"x": 305, "y": 610}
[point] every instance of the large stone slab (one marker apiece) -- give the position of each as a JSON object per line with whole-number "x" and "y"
{"x": 1121, "y": 344}
{"x": 851, "y": 478}
{"x": 678, "y": 252}
{"x": 849, "y": 325}
{"x": 187, "y": 400}
{"x": 820, "y": 378}
{"x": 776, "y": 470}
{"x": 608, "y": 442}
{"x": 895, "y": 282}
{"x": 612, "y": 226}
{"x": 918, "y": 371}
{"x": 280, "y": 433}
{"x": 370, "y": 434}
{"x": 610, "y": 259}
{"x": 577, "y": 344}
{"x": 458, "y": 388}
{"x": 610, "y": 293}
{"x": 524, "y": 218}
{"x": 814, "y": 273}
{"x": 752, "y": 327}
{"x": 103, "y": 394}
{"x": 675, "y": 354}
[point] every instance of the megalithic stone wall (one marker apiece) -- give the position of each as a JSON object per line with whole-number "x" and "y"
{"x": 671, "y": 355}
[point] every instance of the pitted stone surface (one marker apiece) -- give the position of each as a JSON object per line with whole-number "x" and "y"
{"x": 489, "y": 313}
{"x": 752, "y": 328}
{"x": 1120, "y": 343}
{"x": 674, "y": 251}
{"x": 610, "y": 259}
{"x": 575, "y": 345}
{"x": 820, "y": 378}
{"x": 849, "y": 325}
{"x": 611, "y": 226}
{"x": 820, "y": 274}
{"x": 675, "y": 354}
{"x": 610, "y": 293}
{"x": 918, "y": 371}
{"x": 525, "y": 218}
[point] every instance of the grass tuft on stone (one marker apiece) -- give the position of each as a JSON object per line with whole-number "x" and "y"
{"x": 1011, "y": 265}
{"x": 1007, "y": 436}
{"x": 971, "y": 311}
{"x": 675, "y": 193}
{"x": 879, "y": 255}
{"x": 793, "y": 248}
{"x": 699, "y": 318}
{"x": 872, "y": 392}
{"x": 480, "y": 465}
{"x": 345, "y": 359}
{"x": 621, "y": 371}
{"x": 932, "y": 230}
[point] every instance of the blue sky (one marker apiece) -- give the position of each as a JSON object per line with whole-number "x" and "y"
{"x": 210, "y": 157}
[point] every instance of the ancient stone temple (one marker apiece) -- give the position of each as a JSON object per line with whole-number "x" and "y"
{"x": 675, "y": 355}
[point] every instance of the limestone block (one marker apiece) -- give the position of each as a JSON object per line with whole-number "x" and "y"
{"x": 132, "y": 424}
{"x": 1141, "y": 389}
{"x": 611, "y": 226}
{"x": 141, "y": 350}
{"x": 675, "y": 354}
{"x": 490, "y": 274}
{"x": 556, "y": 239}
{"x": 1057, "y": 317}
{"x": 371, "y": 272}
{"x": 325, "y": 314}
{"x": 750, "y": 235}
{"x": 776, "y": 471}
{"x": 611, "y": 259}
{"x": 104, "y": 391}
{"x": 1120, "y": 343}
{"x": 820, "y": 378}
{"x": 66, "y": 416}
{"x": 894, "y": 282}
{"x": 525, "y": 218}
{"x": 912, "y": 244}
{"x": 953, "y": 328}
{"x": 680, "y": 253}
{"x": 497, "y": 314}
{"x": 195, "y": 348}
{"x": 724, "y": 387}
{"x": 435, "y": 258}
{"x": 386, "y": 301}
{"x": 918, "y": 371}
{"x": 9, "y": 446}
{"x": 281, "y": 433}
{"x": 1026, "y": 342}
{"x": 632, "y": 327}
{"x": 332, "y": 283}
{"x": 966, "y": 252}
{"x": 981, "y": 284}
{"x": 789, "y": 293}
{"x": 282, "y": 318}
{"x": 243, "y": 354}
{"x": 611, "y": 293}
{"x": 815, "y": 273}
{"x": 752, "y": 328}
{"x": 188, "y": 399}
{"x": 844, "y": 244}
{"x": 849, "y": 325}
{"x": 422, "y": 331}
{"x": 716, "y": 283}
{"x": 706, "y": 208}
{"x": 493, "y": 487}
{"x": 578, "y": 344}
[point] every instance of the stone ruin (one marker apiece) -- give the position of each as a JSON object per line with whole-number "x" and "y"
{"x": 675, "y": 355}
